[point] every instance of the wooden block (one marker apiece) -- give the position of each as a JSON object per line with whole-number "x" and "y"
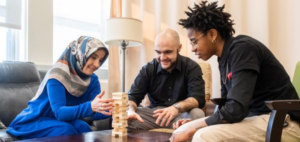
{"x": 117, "y": 117}
{"x": 119, "y": 121}
{"x": 119, "y": 93}
{"x": 119, "y": 139}
{"x": 119, "y": 112}
{"x": 121, "y": 108}
{"x": 122, "y": 125}
{"x": 120, "y": 129}
{"x": 120, "y": 97}
{"x": 120, "y": 102}
{"x": 119, "y": 132}
{"x": 120, "y": 115}
{"x": 123, "y": 100}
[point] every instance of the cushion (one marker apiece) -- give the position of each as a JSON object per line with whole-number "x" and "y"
{"x": 5, "y": 137}
{"x": 18, "y": 72}
{"x": 2, "y": 126}
{"x": 14, "y": 98}
{"x": 296, "y": 79}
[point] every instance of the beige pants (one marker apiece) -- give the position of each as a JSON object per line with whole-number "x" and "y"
{"x": 251, "y": 129}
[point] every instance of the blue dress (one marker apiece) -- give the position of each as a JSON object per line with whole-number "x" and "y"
{"x": 56, "y": 112}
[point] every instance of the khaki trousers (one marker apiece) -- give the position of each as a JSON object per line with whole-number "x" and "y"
{"x": 251, "y": 129}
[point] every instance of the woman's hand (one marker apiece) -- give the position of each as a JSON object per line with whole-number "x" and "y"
{"x": 104, "y": 106}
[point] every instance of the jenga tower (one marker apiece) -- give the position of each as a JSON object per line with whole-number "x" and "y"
{"x": 119, "y": 114}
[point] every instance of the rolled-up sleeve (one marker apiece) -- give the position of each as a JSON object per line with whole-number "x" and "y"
{"x": 196, "y": 85}
{"x": 139, "y": 87}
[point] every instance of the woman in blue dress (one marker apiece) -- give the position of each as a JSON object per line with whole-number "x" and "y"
{"x": 70, "y": 91}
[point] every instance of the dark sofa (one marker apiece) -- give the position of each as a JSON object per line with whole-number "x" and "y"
{"x": 19, "y": 81}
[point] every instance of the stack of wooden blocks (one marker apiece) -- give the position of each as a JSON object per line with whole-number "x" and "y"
{"x": 120, "y": 114}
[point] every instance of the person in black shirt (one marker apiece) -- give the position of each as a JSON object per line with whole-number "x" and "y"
{"x": 173, "y": 84}
{"x": 250, "y": 75}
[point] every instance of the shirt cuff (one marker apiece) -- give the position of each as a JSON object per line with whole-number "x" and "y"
{"x": 131, "y": 98}
{"x": 200, "y": 100}
{"x": 89, "y": 111}
{"x": 213, "y": 119}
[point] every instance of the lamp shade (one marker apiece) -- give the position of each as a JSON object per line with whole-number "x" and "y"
{"x": 128, "y": 29}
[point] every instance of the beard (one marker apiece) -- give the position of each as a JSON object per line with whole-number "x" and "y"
{"x": 167, "y": 68}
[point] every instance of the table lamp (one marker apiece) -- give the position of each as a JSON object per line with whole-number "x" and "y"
{"x": 124, "y": 32}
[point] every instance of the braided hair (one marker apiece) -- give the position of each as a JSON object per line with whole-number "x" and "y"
{"x": 204, "y": 17}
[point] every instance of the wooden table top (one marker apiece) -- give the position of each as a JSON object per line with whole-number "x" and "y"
{"x": 105, "y": 136}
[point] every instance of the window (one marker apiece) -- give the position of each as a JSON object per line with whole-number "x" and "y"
{"x": 73, "y": 19}
{"x": 12, "y": 30}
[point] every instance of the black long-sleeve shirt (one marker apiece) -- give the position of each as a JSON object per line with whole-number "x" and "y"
{"x": 250, "y": 75}
{"x": 164, "y": 88}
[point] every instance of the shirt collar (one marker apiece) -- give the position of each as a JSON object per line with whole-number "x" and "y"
{"x": 226, "y": 49}
{"x": 177, "y": 65}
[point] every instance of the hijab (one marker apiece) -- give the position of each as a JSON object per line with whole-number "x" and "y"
{"x": 68, "y": 69}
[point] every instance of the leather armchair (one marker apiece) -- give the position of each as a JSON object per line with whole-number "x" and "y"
{"x": 19, "y": 81}
{"x": 18, "y": 84}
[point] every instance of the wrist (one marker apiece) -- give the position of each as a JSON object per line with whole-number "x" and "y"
{"x": 191, "y": 132}
{"x": 177, "y": 106}
{"x": 130, "y": 111}
{"x": 93, "y": 111}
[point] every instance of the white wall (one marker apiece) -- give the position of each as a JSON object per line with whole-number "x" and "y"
{"x": 40, "y": 36}
{"x": 284, "y": 34}
{"x": 40, "y": 31}
{"x": 274, "y": 23}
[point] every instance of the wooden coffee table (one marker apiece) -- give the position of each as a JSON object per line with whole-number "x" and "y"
{"x": 105, "y": 136}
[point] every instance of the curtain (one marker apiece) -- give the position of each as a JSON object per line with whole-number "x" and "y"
{"x": 13, "y": 45}
{"x": 275, "y": 23}
{"x": 10, "y": 13}
{"x": 11, "y": 19}
{"x": 114, "y": 74}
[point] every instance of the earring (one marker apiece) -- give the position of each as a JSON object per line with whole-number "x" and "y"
{"x": 213, "y": 41}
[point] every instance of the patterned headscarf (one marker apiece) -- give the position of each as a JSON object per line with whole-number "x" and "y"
{"x": 68, "y": 68}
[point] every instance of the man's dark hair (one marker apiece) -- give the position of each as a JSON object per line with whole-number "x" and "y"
{"x": 208, "y": 16}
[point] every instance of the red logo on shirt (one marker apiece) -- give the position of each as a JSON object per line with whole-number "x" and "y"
{"x": 229, "y": 75}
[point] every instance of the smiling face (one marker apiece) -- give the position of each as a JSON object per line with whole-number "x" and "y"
{"x": 167, "y": 48}
{"x": 93, "y": 62}
{"x": 202, "y": 43}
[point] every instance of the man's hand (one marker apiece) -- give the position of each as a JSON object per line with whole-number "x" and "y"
{"x": 165, "y": 115}
{"x": 187, "y": 130}
{"x": 180, "y": 122}
{"x": 184, "y": 133}
{"x": 134, "y": 116}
